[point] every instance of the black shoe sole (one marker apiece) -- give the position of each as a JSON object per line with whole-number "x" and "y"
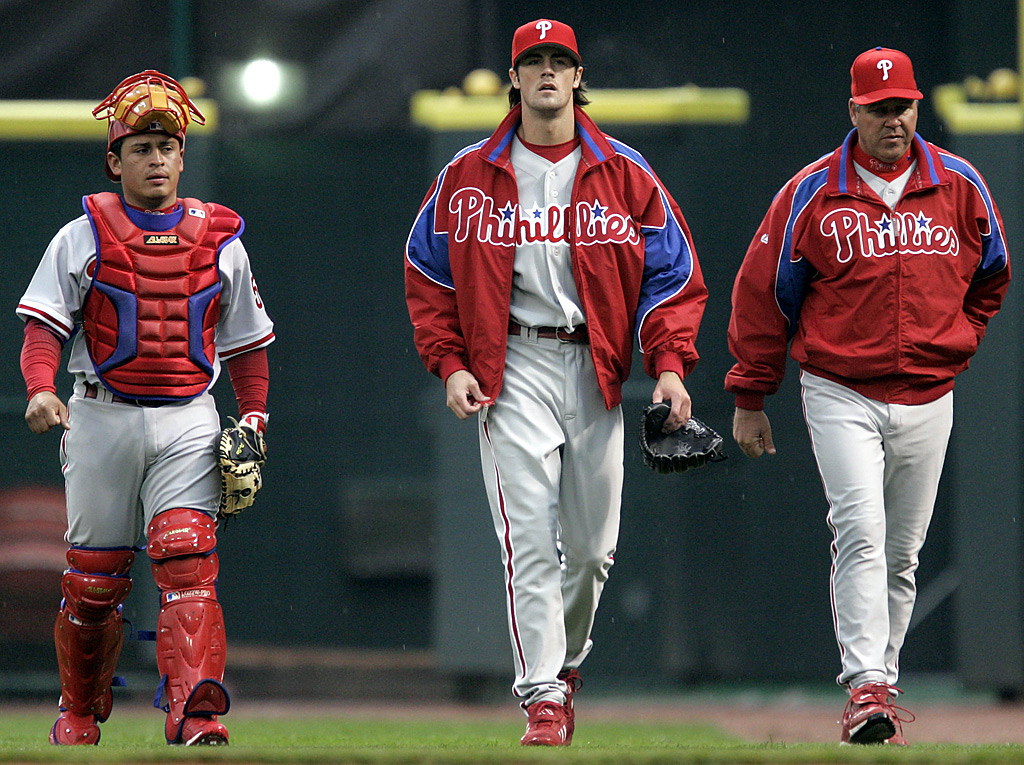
{"x": 877, "y": 730}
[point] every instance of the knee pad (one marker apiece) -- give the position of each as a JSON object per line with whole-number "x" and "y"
{"x": 96, "y": 582}
{"x": 182, "y": 544}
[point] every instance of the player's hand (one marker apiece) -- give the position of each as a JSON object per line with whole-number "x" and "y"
{"x": 46, "y": 411}
{"x": 753, "y": 432}
{"x": 464, "y": 395}
{"x": 670, "y": 388}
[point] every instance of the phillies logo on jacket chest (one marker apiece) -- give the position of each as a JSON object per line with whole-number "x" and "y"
{"x": 475, "y": 215}
{"x": 854, "y": 232}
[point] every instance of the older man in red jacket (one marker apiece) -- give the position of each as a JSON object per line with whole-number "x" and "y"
{"x": 879, "y": 266}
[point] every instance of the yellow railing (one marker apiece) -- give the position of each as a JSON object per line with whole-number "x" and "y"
{"x": 453, "y": 110}
{"x": 962, "y": 115}
{"x": 70, "y": 120}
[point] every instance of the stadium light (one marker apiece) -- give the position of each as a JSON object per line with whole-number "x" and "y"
{"x": 261, "y": 81}
{"x": 262, "y": 84}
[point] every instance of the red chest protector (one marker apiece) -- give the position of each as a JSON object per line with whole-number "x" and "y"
{"x": 151, "y": 313}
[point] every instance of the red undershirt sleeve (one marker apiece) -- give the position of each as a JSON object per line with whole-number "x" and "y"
{"x": 40, "y": 357}
{"x": 250, "y": 377}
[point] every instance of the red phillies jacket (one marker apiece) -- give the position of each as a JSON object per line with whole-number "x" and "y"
{"x": 890, "y": 303}
{"x": 632, "y": 255}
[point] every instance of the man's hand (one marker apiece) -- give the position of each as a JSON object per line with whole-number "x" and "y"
{"x": 753, "y": 432}
{"x": 464, "y": 395}
{"x": 670, "y": 388}
{"x": 46, "y": 411}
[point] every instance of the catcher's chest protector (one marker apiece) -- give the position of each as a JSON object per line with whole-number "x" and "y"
{"x": 151, "y": 313}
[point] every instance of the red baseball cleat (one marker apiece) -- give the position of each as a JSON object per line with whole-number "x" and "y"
{"x": 202, "y": 731}
{"x": 546, "y": 725}
{"x": 872, "y": 717}
{"x": 71, "y": 729}
{"x": 573, "y": 682}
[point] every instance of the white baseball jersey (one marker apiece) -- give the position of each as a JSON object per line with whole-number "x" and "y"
{"x": 888, "y": 191}
{"x": 543, "y": 289}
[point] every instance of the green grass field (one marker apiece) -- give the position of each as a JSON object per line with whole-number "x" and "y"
{"x": 135, "y": 738}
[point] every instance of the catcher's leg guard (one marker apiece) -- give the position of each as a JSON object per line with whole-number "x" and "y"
{"x": 190, "y": 646}
{"x": 88, "y": 635}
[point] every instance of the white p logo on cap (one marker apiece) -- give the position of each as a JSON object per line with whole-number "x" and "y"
{"x": 885, "y": 65}
{"x": 544, "y": 26}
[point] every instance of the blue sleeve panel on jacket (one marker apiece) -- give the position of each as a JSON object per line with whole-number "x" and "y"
{"x": 993, "y": 242}
{"x": 793, "y": 276}
{"x": 668, "y": 257}
{"x": 426, "y": 249}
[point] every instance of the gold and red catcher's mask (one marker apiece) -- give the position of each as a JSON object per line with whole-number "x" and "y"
{"x": 147, "y": 102}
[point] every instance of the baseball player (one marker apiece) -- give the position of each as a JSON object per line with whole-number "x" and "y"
{"x": 880, "y": 266}
{"x": 537, "y": 257}
{"x": 155, "y": 292}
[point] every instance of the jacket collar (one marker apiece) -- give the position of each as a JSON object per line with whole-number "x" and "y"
{"x": 843, "y": 178}
{"x": 594, "y": 145}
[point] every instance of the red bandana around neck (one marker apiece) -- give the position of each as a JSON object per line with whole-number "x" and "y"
{"x": 162, "y": 211}
{"x": 886, "y": 170}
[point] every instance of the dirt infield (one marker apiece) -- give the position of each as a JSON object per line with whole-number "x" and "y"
{"x": 756, "y": 722}
{"x": 758, "y": 713}
{"x": 946, "y": 724}
{"x": 778, "y": 720}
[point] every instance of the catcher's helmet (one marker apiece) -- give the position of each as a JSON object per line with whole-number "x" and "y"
{"x": 147, "y": 102}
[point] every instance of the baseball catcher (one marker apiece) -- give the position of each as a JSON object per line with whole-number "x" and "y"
{"x": 155, "y": 295}
{"x": 691, "y": 446}
{"x": 241, "y": 453}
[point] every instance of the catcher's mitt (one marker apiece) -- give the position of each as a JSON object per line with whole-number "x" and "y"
{"x": 691, "y": 446}
{"x": 241, "y": 453}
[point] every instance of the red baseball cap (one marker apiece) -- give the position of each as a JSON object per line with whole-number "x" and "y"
{"x": 882, "y": 73}
{"x": 544, "y": 32}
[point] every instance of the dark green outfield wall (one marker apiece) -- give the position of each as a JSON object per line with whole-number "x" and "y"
{"x": 719, "y": 573}
{"x": 371, "y": 530}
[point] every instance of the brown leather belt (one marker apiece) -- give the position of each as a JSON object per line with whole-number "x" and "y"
{"x": 579, "y": 335}
{"x": 91, "y": 391}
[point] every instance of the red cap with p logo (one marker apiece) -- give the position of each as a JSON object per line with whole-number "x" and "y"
{"x": 882, "y": 73}
{"x": 544, "y": 32}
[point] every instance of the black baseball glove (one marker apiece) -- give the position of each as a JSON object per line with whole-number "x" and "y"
{"x": 241, "y": 453}
{"x": 691, "y": 446}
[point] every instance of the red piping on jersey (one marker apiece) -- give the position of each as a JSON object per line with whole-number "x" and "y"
{"x": 510, "y": 569}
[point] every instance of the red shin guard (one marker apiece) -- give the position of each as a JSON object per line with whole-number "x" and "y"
{"x": 88, "y": 635}
{"x": 190, "y": 644}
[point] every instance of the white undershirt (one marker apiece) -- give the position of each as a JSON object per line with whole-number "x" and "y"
{"x": 543, "y": 288}
{"x": 888, "y": 191}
